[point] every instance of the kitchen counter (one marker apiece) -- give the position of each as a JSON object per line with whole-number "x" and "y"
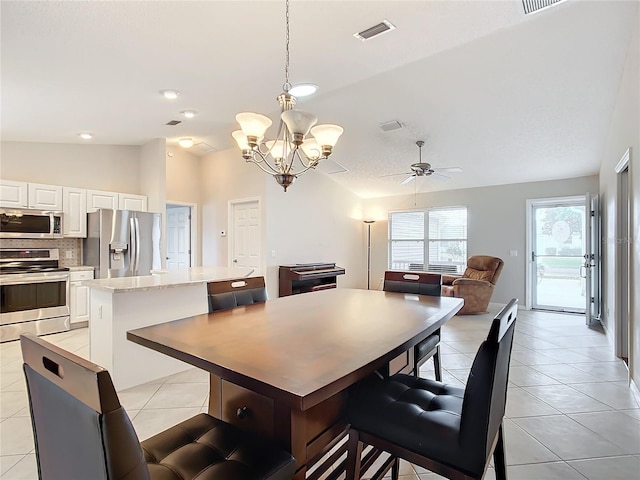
{"x": 121, "y": 304}
{"x": 169, "y": 279}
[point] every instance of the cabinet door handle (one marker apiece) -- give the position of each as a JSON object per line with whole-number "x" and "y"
{"x": 243, "y": 412}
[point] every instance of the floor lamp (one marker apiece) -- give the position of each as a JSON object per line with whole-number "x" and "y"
{"x": 369, "y": 222}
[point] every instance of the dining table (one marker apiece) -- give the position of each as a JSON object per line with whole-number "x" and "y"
{"x": 283, "y": 368}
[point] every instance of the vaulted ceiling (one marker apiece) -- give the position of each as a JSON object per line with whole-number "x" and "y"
{"x": 506, "y": 96}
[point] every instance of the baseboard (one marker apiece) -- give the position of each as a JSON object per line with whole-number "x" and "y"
{"x": 77, "y": 325}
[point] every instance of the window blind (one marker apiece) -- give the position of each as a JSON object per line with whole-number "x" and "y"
{"x": 438, "y": 235}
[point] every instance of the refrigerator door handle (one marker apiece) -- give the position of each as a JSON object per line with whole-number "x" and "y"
{"x": 132, "y": 246}
{"x": 137, "y": 246}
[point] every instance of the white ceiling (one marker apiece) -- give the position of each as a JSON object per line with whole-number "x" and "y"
{"x": 506, "y": 96}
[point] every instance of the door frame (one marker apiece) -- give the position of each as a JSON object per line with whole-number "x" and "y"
{"x": 193, "y": 225}
{"x": 231, "y": 231}
{"x": 621, "y": 326}
{"x": 529, "y": 274}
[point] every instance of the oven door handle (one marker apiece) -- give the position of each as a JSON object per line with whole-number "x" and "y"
{"x": 23, "y": 280}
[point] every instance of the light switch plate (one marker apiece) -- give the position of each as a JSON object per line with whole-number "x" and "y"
{"x": 513, "y": 253}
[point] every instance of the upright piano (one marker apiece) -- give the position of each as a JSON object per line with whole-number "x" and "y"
{"x": 308, "y": 277}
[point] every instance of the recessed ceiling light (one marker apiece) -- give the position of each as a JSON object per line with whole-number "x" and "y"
{"x": 303, "y": 89}
{"x": 170, "y": 94}
{"x": 85, "y": 135}
{"x": 189, "y": 113}
{"x": 185, "y": 142}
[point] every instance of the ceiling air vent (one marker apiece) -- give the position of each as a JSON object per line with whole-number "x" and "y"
{"x": 388, "y": 126}
{"x": 532, "y": 6}
{"x": 174, "y": 122}
{"x": 369, "y": 33}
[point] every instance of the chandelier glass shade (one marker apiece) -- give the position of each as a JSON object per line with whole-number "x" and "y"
{"x": 299, "y": 144}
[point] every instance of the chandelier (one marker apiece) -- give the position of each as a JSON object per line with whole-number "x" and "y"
{"x": 292, "y": 152}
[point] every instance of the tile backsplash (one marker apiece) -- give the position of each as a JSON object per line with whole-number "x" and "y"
{"x": 65, "y": 245}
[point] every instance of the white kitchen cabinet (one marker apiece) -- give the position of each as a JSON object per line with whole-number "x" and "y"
{"x": 129, "y": 201}
{"x": 75, "y": 212}
{"x": 14, "y": 194}
{"x": 79, "y": 296}
{"x": 98, "y": 199}
{"x": 45, "y": 197}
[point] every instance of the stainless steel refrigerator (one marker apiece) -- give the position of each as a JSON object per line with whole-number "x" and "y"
{"x": 122, "y": 243}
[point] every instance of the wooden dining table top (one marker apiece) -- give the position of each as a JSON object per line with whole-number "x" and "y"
{"x": 302, "y": 349}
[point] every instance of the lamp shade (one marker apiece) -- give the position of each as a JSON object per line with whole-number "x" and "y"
{"x": 298, "y": 121}
{"x": 253, "y": 124}
{"x": 311, "y": 148}
{"x": 278, "y": 148}
{"x": 327, "y": 134}
{"x": 241, "y": 139}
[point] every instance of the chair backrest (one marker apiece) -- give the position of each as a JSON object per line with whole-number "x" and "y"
{"x": 484, "y": 267}
{"x": 79, "y": 427}
{"x": 227, "y": 294}
{"x": 485, "y": 395}
{"x": 421, "y": 283}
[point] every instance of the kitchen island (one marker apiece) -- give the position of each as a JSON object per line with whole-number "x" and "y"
{"x": 126, "y": 303}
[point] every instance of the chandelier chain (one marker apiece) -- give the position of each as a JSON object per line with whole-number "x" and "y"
{"x": 287, "y": 86}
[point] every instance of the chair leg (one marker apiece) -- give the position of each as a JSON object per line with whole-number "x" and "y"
{"x": 395, "y": 469}
{"x": 354, "y": 456}
{"x": 499, "y": 460}
{"x": 436, "y": 364}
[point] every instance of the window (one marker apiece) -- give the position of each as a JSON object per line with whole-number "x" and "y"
{"x": 438, "y": 235}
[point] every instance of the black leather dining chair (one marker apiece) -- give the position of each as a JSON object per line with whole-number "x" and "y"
{"x": 225, "y": 294}
{"x": 419, "y": 283}
{"x": 82, "y": 432}
{"x": 449, "y": 430}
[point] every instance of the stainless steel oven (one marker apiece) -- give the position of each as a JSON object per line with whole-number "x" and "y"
{"x": 34, "y": 293}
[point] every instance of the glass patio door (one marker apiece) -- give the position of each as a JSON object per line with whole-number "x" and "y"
{"x": 565, "y": 255}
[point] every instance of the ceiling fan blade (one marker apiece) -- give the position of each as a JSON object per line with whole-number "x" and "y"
{"x": 331, "y": 167}
{"x": 449, "y": 169}
{"x": 440, "y": 177}
{"x": 395, "y": 174}
{"x": 407, "y": 180}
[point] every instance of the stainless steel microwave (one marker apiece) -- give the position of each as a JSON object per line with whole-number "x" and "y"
{"x": 23, "y": 223}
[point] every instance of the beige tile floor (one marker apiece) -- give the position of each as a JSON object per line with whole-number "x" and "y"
{"x": 570, "y": 414}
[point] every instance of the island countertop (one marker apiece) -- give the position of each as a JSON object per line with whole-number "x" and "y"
{"x": 169, "y": 279}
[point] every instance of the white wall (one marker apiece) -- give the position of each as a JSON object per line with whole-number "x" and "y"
{"x": 183, "y": 186}
{"x": 183, "y": 176}
{"x": 153, "y": 174}
{"x": 496, "y": 224}
{"x": 313, "y": 221}
{"x": 624, "y": 134}
{"x": 113, "y": 168}
{"x": 316, "y": 220}
{"x": 225, "y": 176}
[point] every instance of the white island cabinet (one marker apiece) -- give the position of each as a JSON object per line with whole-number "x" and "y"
{"x": 122, "y": 304}
{"x": 79, "y": 296}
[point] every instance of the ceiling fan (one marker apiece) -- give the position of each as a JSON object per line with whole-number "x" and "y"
{"x": 423, "y": 169}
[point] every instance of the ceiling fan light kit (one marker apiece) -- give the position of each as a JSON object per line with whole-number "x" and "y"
{"x": 292, "y": 152}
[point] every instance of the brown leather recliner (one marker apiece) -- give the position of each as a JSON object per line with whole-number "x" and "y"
{"x": 476, "y": 285}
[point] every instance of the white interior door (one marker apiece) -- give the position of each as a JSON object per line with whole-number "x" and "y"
{"x": 179, "y": 253}
{"x": 245, "y": 247}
